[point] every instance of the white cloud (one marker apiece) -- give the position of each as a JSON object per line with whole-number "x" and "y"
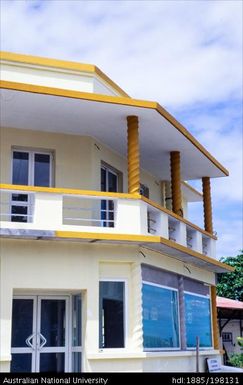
{"x": 187, "y": 55}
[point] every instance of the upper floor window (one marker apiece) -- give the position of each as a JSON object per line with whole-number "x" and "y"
{"x": 110, "y": 181}
{"x": 28, "y": 168}
{"x": 32, "y": 168}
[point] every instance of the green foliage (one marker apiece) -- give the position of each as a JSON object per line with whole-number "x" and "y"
{"x": 230, "y": 285}
{"x": 236, "y": 360}
{"x": 240, "y": 342}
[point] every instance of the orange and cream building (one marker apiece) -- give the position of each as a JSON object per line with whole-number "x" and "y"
{"x": 100, "y": 268}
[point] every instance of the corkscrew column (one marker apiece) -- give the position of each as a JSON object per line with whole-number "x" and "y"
{"x": 133, "y": 155}
{"x": 176, "y": 182}
{"x": 207, "y": 204}
{"x": 214, "y": 319}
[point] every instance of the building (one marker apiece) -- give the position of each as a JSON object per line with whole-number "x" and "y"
{"x": 230, "y": 319}
{"x": 100, "y": 268}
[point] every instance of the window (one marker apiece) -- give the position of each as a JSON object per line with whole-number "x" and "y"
{"x": 111, "y": 314}
{"x": 227, "y": 337}
{"x": 144, "y": 190}
{"x": 160, "y": 317}
{"x": 109, "y": 179}
{"x": 198, "y": 320}
{"x": 76, "y": 333}
{"x": 28, "y": 168}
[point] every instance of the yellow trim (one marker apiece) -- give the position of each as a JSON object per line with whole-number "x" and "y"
{"x": 108, "y": 236}
{"x": 187, "y": 185}
{"x": 67, "y": 191}
{"x": 115, "y": 100}
{"x": 142, "y": 239}
{"x": 191, "y": 138}
{"x": 195, "y": 254}
{"x": 63, "y": 64}
{"x": 179, "y": 218}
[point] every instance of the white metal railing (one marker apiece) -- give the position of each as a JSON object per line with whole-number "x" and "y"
{"x": 88, "y": 212}
{"x": 119, "y": 213}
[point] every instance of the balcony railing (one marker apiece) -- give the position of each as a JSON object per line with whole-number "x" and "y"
{"x": 38, "y": 208}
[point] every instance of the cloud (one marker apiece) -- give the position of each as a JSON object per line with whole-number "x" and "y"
{"x": 187, "y": 55}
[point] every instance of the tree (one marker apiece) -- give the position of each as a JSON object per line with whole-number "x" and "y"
{"x": 230, "y": 285}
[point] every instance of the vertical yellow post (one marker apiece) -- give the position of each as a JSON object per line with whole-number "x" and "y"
{"x": 176, "y": 182}
{"x": 133, "y": 155}
{"x": 214, "y": 318}
{"x": 207, "y": 204}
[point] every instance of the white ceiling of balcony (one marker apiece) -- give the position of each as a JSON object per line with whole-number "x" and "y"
{"x": 107, "y": 123}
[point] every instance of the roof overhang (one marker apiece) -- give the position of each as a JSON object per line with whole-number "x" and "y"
{"x": 155, "y": 243}
{"x": 227, "y": 303}
{"x": 103, "y": 117}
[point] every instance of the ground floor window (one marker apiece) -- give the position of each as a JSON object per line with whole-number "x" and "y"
{"x": 198, "y": 320}
{"x": 160, "y": 317}
{"x": 111, "y": 314}
{"x": 172, "y": 303}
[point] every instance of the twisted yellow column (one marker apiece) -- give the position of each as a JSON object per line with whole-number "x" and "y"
{"x": 176, "y": 182}
{"x": 207, "y": 204}
{"x": 133, "y": 155}
{"x": 214, "y": 319}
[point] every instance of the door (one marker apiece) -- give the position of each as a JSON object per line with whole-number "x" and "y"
{"x": 28, "y": 168}
{"x": 109, "y": 182}
{"x": 42, "y": 334}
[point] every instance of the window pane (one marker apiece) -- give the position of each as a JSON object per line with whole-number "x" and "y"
{"x": 76, "y": 362}
{"x": 52, "y": 362}
{"x": 22, "y": 321}
{"x": 42, "y": 170}
{"x": 198, "y": 320}
{"x": 76, "y": 318}
{"x": 103, "y": 179}
{"x": 111, "y": 323}
{"x": 160, "y": 317}
{"x": 20, "y": 167}
{"x": 112, "y": 182}
{"x": 53, "y": 326}
{"x": 21, "y": 363}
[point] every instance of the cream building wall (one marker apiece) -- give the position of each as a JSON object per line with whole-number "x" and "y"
{"x": 61, "y": 267}
{"x": 77, "y": 159}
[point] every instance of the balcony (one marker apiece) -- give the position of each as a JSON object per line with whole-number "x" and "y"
{"x": 95, "y": 216}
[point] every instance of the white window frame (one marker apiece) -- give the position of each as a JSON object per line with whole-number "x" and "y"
{"x": 178, "y": 310}
{"x": 32, "y": 153}
{"x": 207, "y": 296}
{"x": 69, "y": 349}
{"x": 125, "y": 315}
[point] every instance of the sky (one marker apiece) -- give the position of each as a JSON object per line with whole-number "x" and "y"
{"x": 186, "y": 55}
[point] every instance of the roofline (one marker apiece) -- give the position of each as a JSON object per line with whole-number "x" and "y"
{"x": 62, "y": 64}
{"x": 113, "y": 100}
